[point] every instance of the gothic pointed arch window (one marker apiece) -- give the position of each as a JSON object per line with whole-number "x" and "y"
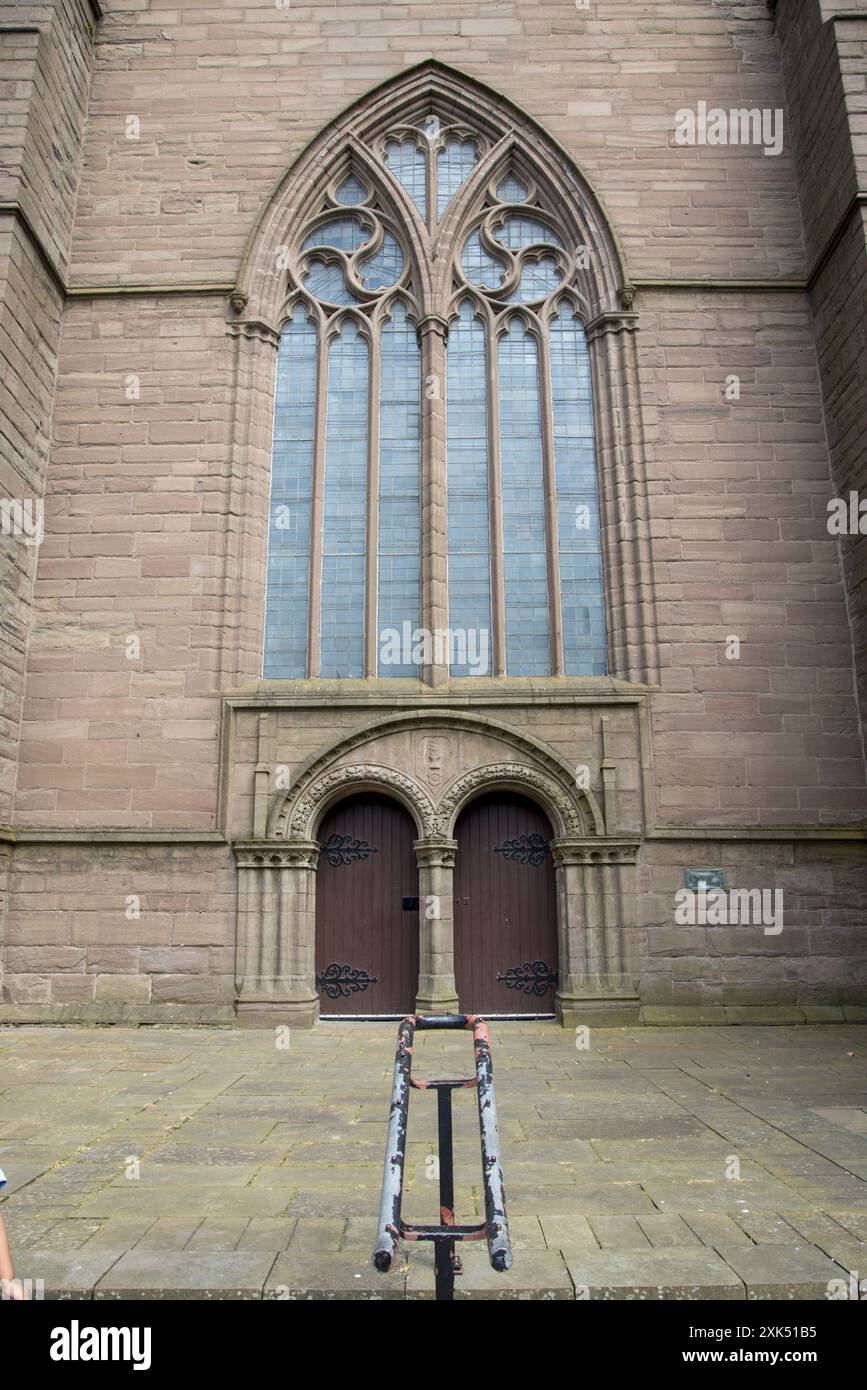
{"x": 434, "y": 490}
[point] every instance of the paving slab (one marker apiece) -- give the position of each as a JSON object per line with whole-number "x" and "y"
{"x": 173, "y": 1274}
{"x": 628, "y": 1275}
{"x": 783, "y": 1271}
{"x": 323, "y": 1275}
{"x": 538, "y": 1275}
{"x": 69, "y": 1274}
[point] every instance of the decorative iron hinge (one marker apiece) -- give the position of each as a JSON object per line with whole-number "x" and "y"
{"x": 533, "y": 977}
{"x": 340, "y": 981}
{"x": 525, "y": 849}
{"x": 343, "y": 849}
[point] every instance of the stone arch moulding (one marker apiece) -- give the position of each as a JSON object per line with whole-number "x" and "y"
{"x": 562, "y": 810}
{"x": 307, "y": 811}
{"x": 532, "y": 767}
{"x": 258, "y": 305}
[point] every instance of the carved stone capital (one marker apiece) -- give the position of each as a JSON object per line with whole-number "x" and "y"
{"x": 436, "y": 853}
{"x": 265, "y": 854}
{"x": 593, "y": 850}
{"x": 432, "y": 323}
{"x": 256, "y": 330}
{"x": 606, "y": 324}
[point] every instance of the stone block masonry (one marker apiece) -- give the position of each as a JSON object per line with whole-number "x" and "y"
{"x": 142, "y": 141}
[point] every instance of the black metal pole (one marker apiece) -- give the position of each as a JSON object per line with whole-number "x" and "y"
{"x": 444, "y": 1250}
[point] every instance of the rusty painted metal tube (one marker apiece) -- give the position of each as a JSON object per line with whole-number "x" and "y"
{"x": 496, "y": 1226}
{"x": 496, "y": 1221}
{"x": 388, "y": 1234}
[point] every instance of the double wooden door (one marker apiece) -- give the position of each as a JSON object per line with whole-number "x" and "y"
{"x": 367, "y": 909}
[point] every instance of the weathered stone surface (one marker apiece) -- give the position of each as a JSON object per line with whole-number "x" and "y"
{"x": 322, "y": 1275}
{"x": 755, "y": 270}
{"x": 653, "y": 1274}
{"x": 167, "y": 1274}
{"x": 783, "y": 1271}
{"x": 536, "y": 1275}
{"x": 69, "y": 1274}
{"x": 85, "y": 1101}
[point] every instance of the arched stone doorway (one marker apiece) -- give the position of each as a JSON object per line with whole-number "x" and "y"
{"x": 505, "y": 908}
{"x": 434, "y": 765}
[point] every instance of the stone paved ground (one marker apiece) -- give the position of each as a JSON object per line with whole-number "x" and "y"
{"x": 259, "y": 1168}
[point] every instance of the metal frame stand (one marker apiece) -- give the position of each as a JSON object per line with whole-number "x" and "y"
{"x": 495, "y": 1228}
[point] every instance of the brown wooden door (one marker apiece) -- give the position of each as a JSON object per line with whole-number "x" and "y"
{"x": 367, "y": 909}
{"x": 505, "y": 908}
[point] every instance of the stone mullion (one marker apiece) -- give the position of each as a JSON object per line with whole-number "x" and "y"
{"x": 431, "y": 186}
{"x": 432, "y": 332}
{"x": 549, "y": 465}
{"x": 371, "y": 568}
{"x": 317, "y": 507}
{"x": 495, "y": 504}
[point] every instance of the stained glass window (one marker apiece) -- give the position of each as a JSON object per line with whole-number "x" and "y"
{"x": 291, "y": 492}
{"x": 343, "y": 524}
{"x": 408, "y": 162}
{"x": 580, "y": 554}
{"x": 525, "y": 566}
{"x": 352, "y": 190}
{"x": 469, "y": 534}
{"x": 512, "y": 190}
{"x": 455, "y": 162}
{"x": 399, "y": 596}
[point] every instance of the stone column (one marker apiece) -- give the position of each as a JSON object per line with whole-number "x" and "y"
{"x": 571, "y": 918}
{"x": 593, "y": 987}
{"x": 275, "y": 974}
{"x": 437, "y": 992}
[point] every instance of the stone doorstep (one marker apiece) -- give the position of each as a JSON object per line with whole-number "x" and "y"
{"x": 796, "y": 1271}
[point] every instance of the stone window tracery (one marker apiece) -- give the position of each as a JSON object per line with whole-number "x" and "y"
{"x": 433, "y": 373}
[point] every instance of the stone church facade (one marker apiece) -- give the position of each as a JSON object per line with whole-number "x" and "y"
{"x": 217, "y": 803}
